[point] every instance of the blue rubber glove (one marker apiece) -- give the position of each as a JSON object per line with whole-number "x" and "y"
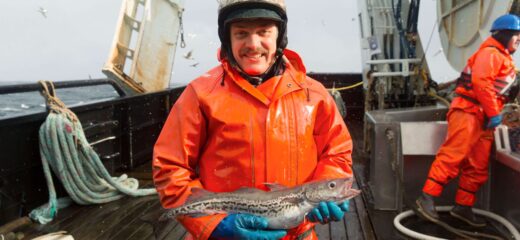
{"x": 246, "y": 226}
{"x": 326, "y": 211}
{"x": 494, "y": 121}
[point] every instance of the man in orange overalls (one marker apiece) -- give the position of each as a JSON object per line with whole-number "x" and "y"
{"x": 486, "y": 83}
{"x": 254, "y": 119}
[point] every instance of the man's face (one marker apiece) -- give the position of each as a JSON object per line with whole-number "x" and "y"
{"x": 512, "y": 46}
{"x": 253, "y": 43}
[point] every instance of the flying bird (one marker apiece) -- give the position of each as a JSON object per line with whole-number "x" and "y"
{"x": 194, "y": 65}
{"x": 43, "y": 11}
{"x": 189, "y": 55}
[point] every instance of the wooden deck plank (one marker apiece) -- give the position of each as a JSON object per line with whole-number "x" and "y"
{"x": 352, "y": 225}
{"x": 362, "y": 215}
{"x": 178, "y": 232}
{"x": 162, "y": 229}
{"x": 121, "y": 219}
{"x": 132, "y": 231}
{"x": 131, "y": 221}
{"x": 337, "y": 230}
{"x": 83, "y": 223}
{"x": 61, "y": 222}
{"x": 323, "y": 231}
{"x": 34, "y": 230}
{"x": 145, "y": 231}
{"x": 136, "y": 218}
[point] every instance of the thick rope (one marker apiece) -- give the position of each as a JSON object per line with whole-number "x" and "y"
{"x": 64, "y": 147}
{"x": 347, "y": 87}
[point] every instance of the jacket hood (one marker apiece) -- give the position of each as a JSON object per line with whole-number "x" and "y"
{"x": 492, "y": 42}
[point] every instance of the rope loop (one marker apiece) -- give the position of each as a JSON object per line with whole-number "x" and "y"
{"x": 65, "y": 149}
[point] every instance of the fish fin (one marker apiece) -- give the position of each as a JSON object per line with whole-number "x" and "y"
{"x": 275, "y": 186}
{"x": 205, "y": 213}
{"x": 166, "y": 216}
{"x": 170, "y": 214}
{"x": 248, "y": 190}
{"x": 199, "y": 194}
{"x": 196, "y": 215}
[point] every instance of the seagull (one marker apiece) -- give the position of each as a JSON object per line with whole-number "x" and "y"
{"x": 43, "y": 11}
{"x": 189, "y": 55}
{"x": 194, "y": 65}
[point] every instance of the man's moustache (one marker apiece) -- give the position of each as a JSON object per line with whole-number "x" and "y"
{"x": 257, "y": 50}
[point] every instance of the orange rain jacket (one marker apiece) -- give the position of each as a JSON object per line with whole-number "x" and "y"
{"x": 489, "y": 66}
{"x": 468, "y": 144}
{"x": 223, "y": 134}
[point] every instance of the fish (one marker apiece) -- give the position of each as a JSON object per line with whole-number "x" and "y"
{"x": 283, "y": 207}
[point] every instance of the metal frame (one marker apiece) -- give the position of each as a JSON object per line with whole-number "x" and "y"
{"x": 146, "y": 35}
{"x": 405, "y": 64}
{"x": 20, "y": 88}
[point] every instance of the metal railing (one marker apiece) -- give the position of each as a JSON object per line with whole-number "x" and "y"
{"x": 29, "y": 87}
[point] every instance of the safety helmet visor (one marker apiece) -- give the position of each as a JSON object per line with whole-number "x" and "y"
{"x": 223, "y": 4}
{"x": 252, "y": 13}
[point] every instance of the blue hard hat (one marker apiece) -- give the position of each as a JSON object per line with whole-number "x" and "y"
{"x": 506, "y": 22}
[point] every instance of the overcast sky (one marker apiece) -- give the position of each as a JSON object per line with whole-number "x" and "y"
{"x": 73, "y": 41}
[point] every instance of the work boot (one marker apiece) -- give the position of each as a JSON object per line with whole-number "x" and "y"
{"x": 465, "y": 213}
{"x": 426, "y": 206}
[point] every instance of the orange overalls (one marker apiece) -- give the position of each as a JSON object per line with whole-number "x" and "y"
{"x": 468, "y": 143}
{"x": 223, "y": 134}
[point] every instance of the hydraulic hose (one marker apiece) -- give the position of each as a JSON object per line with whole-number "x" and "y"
{"x": 408, "y": 232}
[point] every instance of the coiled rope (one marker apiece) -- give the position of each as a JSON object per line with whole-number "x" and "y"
{"x": 64, "y": 147}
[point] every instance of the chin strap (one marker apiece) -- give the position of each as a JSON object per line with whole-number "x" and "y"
{"x": 277, "y": 68}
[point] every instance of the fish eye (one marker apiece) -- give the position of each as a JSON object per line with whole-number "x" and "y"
{"x": 332, "y": 185}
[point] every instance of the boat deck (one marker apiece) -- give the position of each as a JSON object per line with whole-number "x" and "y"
{"x": 22, "y": 185}
{"x": 136, "y": 218}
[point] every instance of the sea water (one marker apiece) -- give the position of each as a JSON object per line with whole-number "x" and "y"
{"x": 16, "y": 104}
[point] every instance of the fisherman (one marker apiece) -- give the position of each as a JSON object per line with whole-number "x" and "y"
{"x": 487, "y": 82}
{"x": 256, "y": 118}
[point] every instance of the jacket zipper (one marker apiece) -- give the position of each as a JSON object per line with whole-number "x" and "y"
{"x": 252, "y": 150}
{"x": 293, "y": 142}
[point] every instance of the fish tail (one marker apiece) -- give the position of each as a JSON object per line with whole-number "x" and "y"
{"x": 168, "y": 215}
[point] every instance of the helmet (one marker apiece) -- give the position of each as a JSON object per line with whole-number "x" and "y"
{"x": 506, "y": 22}
{"x": 230, "y": 10}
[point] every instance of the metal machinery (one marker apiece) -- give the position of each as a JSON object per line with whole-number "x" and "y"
{"x": 411, "y": 56}
{"x": 143, "y": 49}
